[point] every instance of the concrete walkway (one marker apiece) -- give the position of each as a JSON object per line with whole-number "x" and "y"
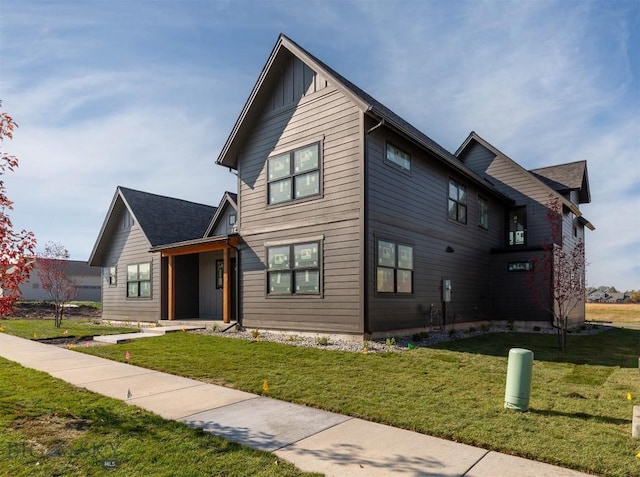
{"x": 313, "y": 440}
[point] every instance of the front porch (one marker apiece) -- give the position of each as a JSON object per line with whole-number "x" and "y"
{"x": 199, "y": 281}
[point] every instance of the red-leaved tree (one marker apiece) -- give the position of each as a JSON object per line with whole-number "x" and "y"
{"x": 16, "y": 248}
{"x": 559, "y": 286}
{"x": 55, "y": 278}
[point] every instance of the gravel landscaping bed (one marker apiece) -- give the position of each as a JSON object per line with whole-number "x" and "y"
{"x": 392, "y": 343}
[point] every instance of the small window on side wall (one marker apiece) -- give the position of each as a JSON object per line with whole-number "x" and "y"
{"x": 113, "y": 276}
{"x": 398, "y": 158}
{"x": 139, "y": 280}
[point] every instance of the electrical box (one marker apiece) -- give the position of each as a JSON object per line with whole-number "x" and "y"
{"x": 446, "y": 290}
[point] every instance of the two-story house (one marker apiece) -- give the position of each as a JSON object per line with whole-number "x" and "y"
{"x": 350, "y": 220}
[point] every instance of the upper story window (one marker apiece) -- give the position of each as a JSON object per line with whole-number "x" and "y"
{"x": 126, "y": 222}
{"x": 398, "y": 157}
{"x": 394, "y": 271}
{"x": 483, "y": 213}
{"x": 518, "y": 226}
{"x": 457, "y": 202}
{"x": 294, "y": 269}
{"x": 294, "y": 175}
{"x": 139, "y": 280}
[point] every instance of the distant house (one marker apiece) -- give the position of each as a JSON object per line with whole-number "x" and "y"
{"x": 87, "y": 279}
{"x": 347, "y": 220}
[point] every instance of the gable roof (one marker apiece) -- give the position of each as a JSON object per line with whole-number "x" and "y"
{"x": 367, "y": 104}
{"x": 567, "y": 177}
{"x": 526, "y": 175}
{"x": 229, "y": 199}
{"x": 162, "y": 219}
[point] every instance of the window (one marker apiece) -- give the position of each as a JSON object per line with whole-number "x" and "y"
{"x": 294, "y": 269}
{"x": 517, "y": 226}
{"x": 219, "y": 273}
{"x": 232, "y": 219}
{"x": 483, "y": 213}
{"x": 398, "y": 157}
{"x": 294, "y": 175}
{"x": 526, "y": 266}
{"x": 394, "y": 273}
{"x": 113, "y": 276}
{"x": 457, "y": 202}
{"x": 139, "y": 280}
{"x": 127, "y": 221}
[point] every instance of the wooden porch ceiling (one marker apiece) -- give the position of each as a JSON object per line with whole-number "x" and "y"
{"x": 201, "y": 247}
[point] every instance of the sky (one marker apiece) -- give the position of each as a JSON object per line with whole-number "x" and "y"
{"x": 144, "y": 94}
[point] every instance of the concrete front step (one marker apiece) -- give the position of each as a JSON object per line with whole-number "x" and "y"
{"x": 145, "y": 333}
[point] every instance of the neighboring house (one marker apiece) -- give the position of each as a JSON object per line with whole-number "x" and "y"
{"x": 350, "y": 220}
{"x": 87, "y": 281}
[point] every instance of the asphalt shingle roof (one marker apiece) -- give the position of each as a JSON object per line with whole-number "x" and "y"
{"x": 167, "y": 220}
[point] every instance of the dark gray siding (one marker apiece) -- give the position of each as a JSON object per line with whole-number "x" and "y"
{"x": 223, "y": 227}
{"x": 413, "y": 209}
{"x": 129, "y": 246}
{"x": 477, "y": 157}
{"x": 514, "y": 300}
{"x": 329, "y": 117}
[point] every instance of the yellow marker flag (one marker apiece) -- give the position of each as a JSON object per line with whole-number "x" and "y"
{"x": 265, "y": 386}
{"x": 1, "y": 329}
{"x": 35, "y": 335}
{"x": 629, "y": 397}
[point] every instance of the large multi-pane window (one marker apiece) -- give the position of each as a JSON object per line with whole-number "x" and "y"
{"x": 294, "y": 175}
{"x": 139, "y": 280}
{"x": 394, "y": 271}
{"x": 398, "y": 157}
{"x": 457, "y": 202}
{"x": 294, "y": 269}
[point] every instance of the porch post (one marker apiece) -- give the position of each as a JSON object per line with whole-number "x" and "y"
{"x": 226, "y": 286}
{"x": 171, "y": 285}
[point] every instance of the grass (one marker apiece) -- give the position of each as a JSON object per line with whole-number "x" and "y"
{"x": 579, "y": 413}
{"x": 614, "y": 312}
{"x": 79, "y": 432}
{"x": 45, "y": 328}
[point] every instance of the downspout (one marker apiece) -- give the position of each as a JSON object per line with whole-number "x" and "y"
{"x": 365, "y": 210}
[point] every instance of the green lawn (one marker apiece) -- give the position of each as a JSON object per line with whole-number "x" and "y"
{"x": 580, "y": 416}
{"x": 73, "y": 327}
{"x": 48, "y": 427}
{"x": 579, "y": 413}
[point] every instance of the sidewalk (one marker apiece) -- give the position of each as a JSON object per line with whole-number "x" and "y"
{"x": 313, "y": 440}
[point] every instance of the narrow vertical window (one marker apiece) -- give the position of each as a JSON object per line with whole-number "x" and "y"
{"x": 113, "y": 276}
{"x": 483, "y": 213}
{"x": 457, "y": 208}
{"x": 517, "y": 226}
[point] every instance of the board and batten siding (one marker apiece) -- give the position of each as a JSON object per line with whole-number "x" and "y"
{"x": 130, "y": 246}
{"x": 328, "y": 117}
{"x": 223, "y": 227}
{"x": 411, "y": 208}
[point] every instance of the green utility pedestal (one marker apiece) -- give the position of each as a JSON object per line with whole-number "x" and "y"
{"x": 519, "y": 370}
